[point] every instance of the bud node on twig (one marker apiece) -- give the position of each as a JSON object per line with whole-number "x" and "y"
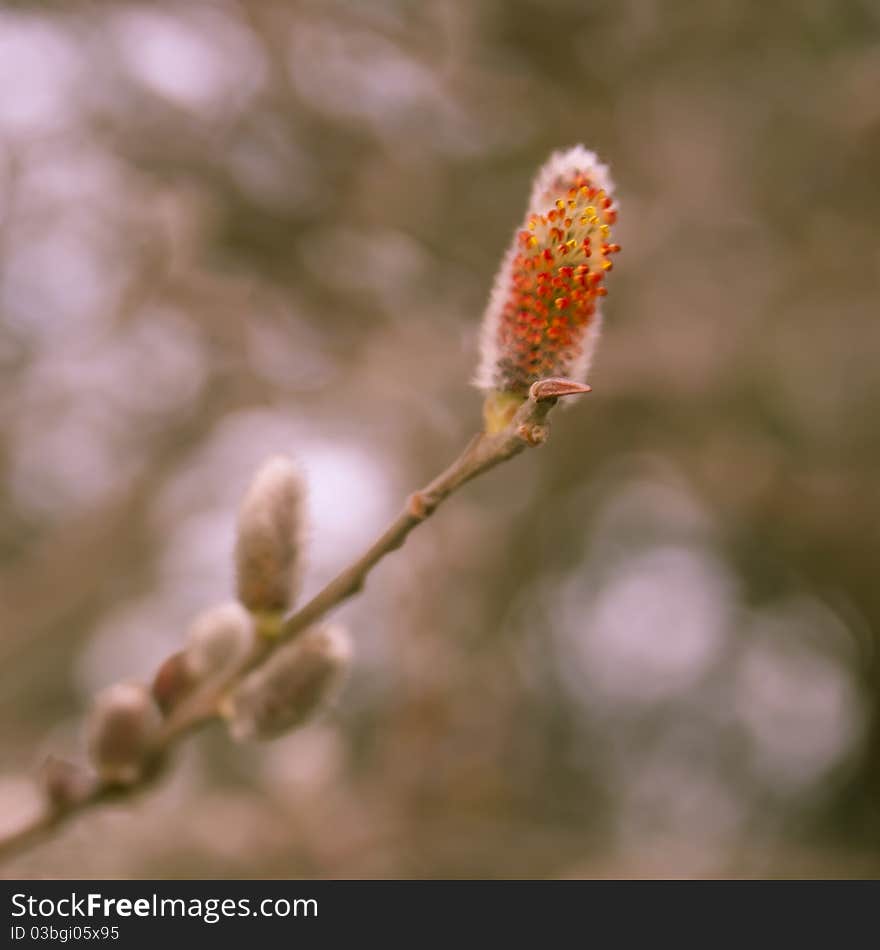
{"x": 533, "y": 434}
{"x": 65, "y": 784}
{"x": 416, "y": 507}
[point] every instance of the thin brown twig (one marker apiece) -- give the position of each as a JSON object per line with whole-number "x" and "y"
{"x": 485, "y": 451}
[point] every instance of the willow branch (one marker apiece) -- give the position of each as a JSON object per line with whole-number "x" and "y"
{"x": 527, "y": 428}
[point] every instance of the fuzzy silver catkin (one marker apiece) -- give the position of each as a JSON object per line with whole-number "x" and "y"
{"x": 293, "y": 683}
{"x": 268, "y": 549}
{"x": 122, "y": 730}
{"x": 217, "y": 639}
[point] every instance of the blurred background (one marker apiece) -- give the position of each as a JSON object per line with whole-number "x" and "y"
{"x": 231, "y": 229}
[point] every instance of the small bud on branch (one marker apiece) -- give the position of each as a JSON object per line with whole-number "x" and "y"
{"x": 122, "y": 730}
{"x": 65, "y": 784}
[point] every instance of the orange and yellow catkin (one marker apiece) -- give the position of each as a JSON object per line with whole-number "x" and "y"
{"x": 543, "y": 316}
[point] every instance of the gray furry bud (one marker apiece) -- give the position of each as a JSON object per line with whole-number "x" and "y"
{"x": 269, "y": 542}
{"x": 122, "y": 731}
{"x": 217, "y": 639}
{"x": 290, "y": 686}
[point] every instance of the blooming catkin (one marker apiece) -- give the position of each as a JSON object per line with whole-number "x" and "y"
{"x": 543, "y": 316}
{"x": 291, "y": 685}
{"x": 268, "y": 549}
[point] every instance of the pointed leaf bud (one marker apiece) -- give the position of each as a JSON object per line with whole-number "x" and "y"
{"x": 122, "y": 731}
{"x": 296, "y": 680}
{"x": 268, "y": 546}
{"x": 555, "y": 386}
{"x": 543, "y": 315}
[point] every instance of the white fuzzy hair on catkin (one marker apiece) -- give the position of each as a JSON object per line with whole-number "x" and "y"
{"x": 563, "y": 166}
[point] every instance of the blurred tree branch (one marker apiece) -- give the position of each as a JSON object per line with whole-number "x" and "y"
{"x": 527, "y": 428}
